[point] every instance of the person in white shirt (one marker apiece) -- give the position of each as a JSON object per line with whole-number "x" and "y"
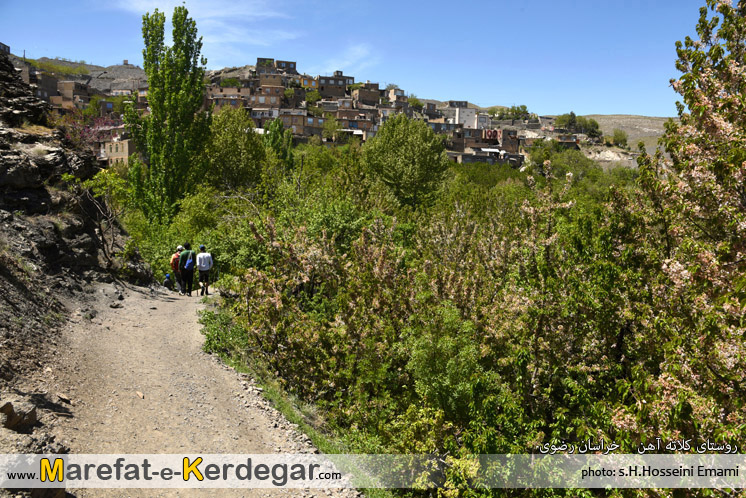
{"x": 204, "y": 265}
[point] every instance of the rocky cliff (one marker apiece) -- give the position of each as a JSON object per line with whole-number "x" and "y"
{"x": 49, "y": 245}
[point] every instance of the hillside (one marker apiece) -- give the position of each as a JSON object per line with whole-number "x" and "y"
{"x": 103, "y": 78}
{"x": 647, "y": 129}
{"x": 216, "y": 75}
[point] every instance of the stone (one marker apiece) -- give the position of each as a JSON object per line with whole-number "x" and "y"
{"x": 19, "y": 416}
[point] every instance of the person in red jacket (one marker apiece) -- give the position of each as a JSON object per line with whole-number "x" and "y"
{"x": 175, "y": 268}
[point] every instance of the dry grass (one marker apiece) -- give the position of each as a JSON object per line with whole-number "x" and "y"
{"x": 33, "y": 129}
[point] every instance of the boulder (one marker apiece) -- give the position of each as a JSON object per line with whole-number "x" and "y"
{"x": 19, "y": 416}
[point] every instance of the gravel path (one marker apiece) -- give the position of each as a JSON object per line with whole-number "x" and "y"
{"x": 138, "y": 382}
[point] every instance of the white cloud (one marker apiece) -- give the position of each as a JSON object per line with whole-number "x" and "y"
{"x": 353, "y": 60}
{"x": 206, "y": 9}
{"x": 227, "y": 27}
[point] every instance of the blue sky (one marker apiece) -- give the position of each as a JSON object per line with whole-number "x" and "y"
{"x": 590, "y": 57}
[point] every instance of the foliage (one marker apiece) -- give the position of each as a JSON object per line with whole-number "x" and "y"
{"x": 103, "y": 199}
{"x": 619, "y": 137}
{"x": 407, "y": 158}
{"x": 332, "y": 128}
{"x": 513, "y": 112}
{"x": 235, "y": 153}
{"x": 566, "y": 121}
{"x": 61, "y": 69}
{"x": 117, "y": 101}
{"x": 279, "y": 140}
{"x": 312, "y": 97}
{"x": 171, "y": 137}
{"x": 415, "y": 103}
{"x": 429, "y": 307}
{"x": 493, "y": 111}
{"x": 230, "y": 83}
{"x": 697, "y": 214}
{"x": 84, "y": 129}
{"x": 578, "y": 124}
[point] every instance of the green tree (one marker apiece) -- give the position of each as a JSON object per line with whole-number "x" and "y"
{"x": 514, "y": 112}
{"x": 230, "y": 83}
{"x": 696, "y": 223}
{"x": 331, "y": 129}
{"x": 172, "y": 136}
{"x": 415, "y": 103}
{"x": 312, "y": 97}
{"x": 589, "y": 126}
{"x": 408, "y": 158}
{"x": 234, "y": 153}
{"x": 619, "y": 137}
{"x": 279, "y": 140}
{"x": 567, "y": 121}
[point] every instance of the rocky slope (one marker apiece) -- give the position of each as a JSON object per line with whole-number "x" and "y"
{"x": 45, "y": 246}
{"x": 49, "y": 252}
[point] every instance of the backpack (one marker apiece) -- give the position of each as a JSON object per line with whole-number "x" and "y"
{"x": 189, "y": 265}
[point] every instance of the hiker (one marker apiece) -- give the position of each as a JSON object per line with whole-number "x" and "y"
{"x": 168, "y": 283}
{"x": 204, "y": 264}
{"x": 187, "y": 261}
{"x": 175, "y": 268}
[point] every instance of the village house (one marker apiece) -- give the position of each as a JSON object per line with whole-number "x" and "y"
{"x": 286, "y": 67}
{"x": 263, "y": 115}
{"x": 44, "y": 85}
{"x": 294, "y": 120}
{"x": 114, "y": 145}
{"x": 72, "y": 94}
{"x": 267, "y": 96}
{"x": 429, "y": 109}
{"x": 457, "y": 104}
{"x": 387, "y": 111}
{"x": 270, "y": 79}
{"x": 334, "y": 86}
{"x": 264, "y": 65}
{"x": 314, "y": 126}
{"x": 329, "y": 105}
{"x": 367, "y": 94}
{"x": 396, "y": 96}
{"x": 226, "y": 96}
{"x": 309, "y": 82}
{"x": 466, "y": 117}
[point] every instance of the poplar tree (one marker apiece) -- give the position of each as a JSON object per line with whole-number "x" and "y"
{"x": 171, "y": 137}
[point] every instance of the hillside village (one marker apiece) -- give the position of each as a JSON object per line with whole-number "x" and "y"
{"x": 275, "y": 89}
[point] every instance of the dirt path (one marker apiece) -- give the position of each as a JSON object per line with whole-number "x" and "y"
{"x": 150, "y": 343}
